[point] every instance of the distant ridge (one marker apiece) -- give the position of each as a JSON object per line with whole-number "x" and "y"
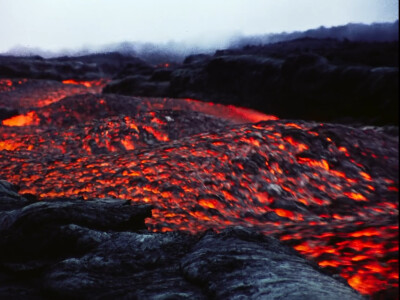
{"x": 177, "y": 51}
{"x": 355, "y": 32}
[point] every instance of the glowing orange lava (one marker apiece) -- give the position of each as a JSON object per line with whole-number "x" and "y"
{"x": 89, "y": 84}
{"x": 27, "y": 119}
{"x": 292, "y": 180}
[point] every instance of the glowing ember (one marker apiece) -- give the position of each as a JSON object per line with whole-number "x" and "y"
{"x": 89, "y": 84}
{"x": 27, "y": 119}
{"x": 316, "y": 187}
{"x": 163, "y": 65}
{"x": 7, "y": 85}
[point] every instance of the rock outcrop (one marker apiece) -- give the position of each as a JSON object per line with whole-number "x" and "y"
{"x": 287, "y": 79}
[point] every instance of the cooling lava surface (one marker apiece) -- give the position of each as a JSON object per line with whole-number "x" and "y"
{"x": 329, "y": 191}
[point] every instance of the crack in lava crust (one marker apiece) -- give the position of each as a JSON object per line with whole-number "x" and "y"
{"x": 329, "y": 191}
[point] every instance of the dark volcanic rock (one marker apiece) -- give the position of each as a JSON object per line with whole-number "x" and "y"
{"x": 109, "y": 63}
{"x": 7, "y": 112}
{"x": 39, "y": 68}
{"x": 305, "y": 86}
{"x": 137, "y": 68}
{"x": 85, "y": 67}
{"x": 256, "y": 267}
{"x": 138, "y": 85}
{"x": 196, "y": 58}
{"x": 296, "y": 80}
{"x": 337, "y": 51}
{"x": 9, "y": 197}
{"x": 140, "y": 79}
{"x": 127, "y": 266}
{"x": 74, "y": 249}
{"x": 42, "y": 225}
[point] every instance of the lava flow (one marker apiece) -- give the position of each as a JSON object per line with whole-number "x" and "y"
{"x": 29, "y": 93}
{"x": 329, "y": 191}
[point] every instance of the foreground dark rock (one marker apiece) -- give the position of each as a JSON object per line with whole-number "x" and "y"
{"x": 98, "y": 249}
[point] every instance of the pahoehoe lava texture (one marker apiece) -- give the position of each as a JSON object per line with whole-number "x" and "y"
{"x": 223, "y": 183}
{"x": 97, "y": 249}
{"x": 329, "y": 191}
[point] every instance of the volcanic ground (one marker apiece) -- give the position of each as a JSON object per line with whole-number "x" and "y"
{"x": 329, "y": 191}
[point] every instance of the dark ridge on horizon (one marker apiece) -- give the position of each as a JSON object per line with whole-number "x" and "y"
{"x": 354, "y": 32}
{"x": 176, "y": 52}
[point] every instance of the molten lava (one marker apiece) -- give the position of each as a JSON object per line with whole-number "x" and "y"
{"x": 89, "y": 84}
{"x": 27, "y": 119}
{"x": 32, "y": 93}
{"x": 328, "y": 191}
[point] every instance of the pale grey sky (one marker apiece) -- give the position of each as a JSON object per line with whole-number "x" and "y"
{"x": 60, "y": 24}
